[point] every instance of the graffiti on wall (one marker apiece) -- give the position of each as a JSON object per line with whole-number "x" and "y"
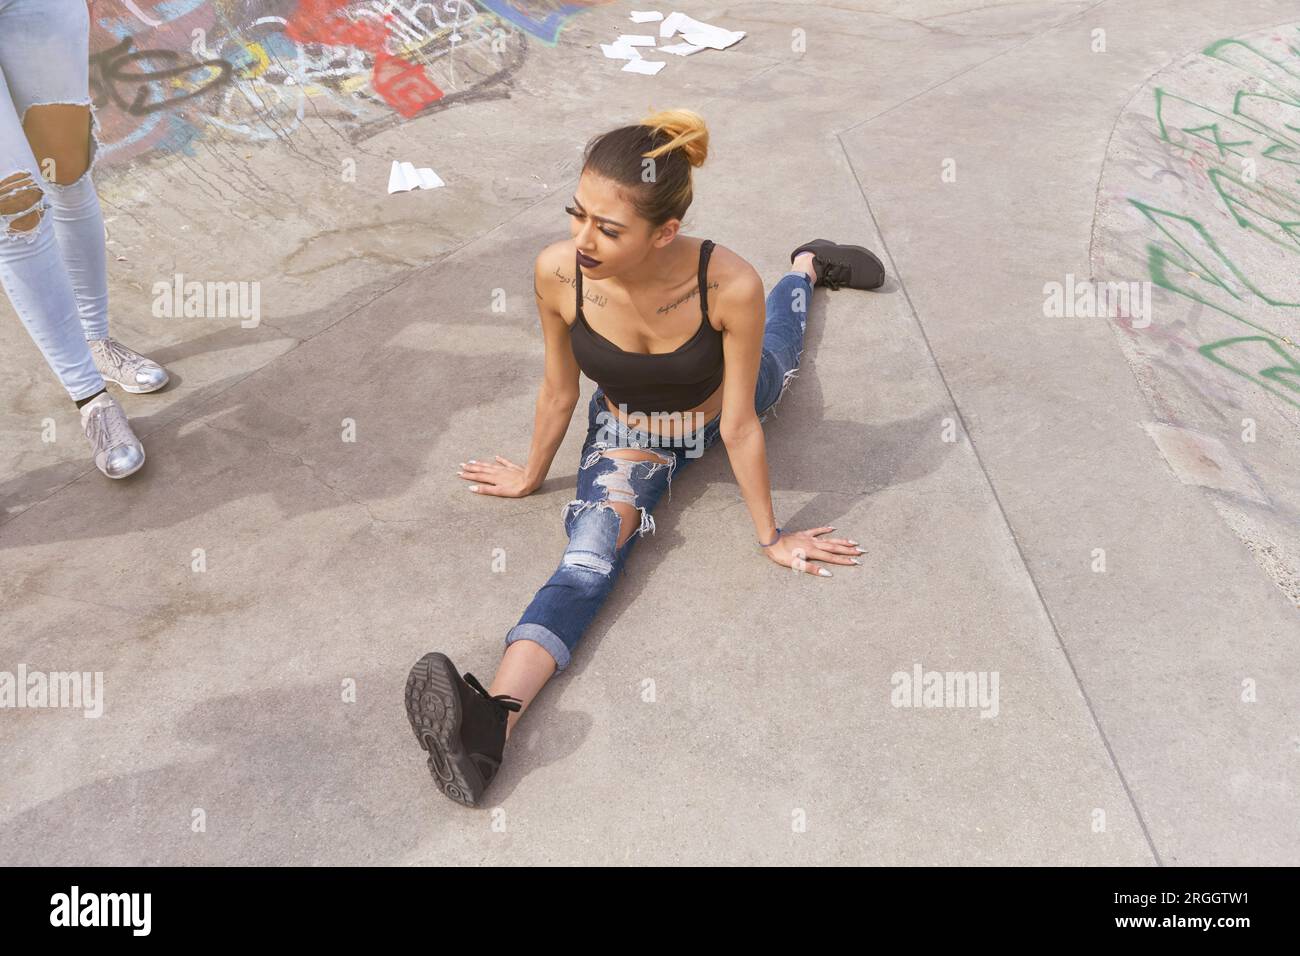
{"x": 541, "y": 19}
{"x": 165, "y": 74}
{"x": 1235, "y": 255}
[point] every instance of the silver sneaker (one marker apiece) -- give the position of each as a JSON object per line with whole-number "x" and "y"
{"x": 117, "y": 451}
{"x": 126, "y": 367}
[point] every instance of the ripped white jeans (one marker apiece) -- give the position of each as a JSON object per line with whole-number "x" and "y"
{"x": 55, "y": 272}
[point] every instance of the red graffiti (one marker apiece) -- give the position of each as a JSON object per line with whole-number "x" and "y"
{"x": 403, "y": 84}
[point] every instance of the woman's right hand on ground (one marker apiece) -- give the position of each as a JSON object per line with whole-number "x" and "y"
{"x": 501, "y": 477}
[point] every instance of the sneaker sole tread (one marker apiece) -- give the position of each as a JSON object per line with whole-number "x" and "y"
{"x": 433, "y": 708}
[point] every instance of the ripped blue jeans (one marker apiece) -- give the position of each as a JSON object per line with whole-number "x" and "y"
{"x": 56, "y": 271}
{"x": 565, "y": 605}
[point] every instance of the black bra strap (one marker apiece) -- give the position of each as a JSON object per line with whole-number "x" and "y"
{"x": 578, "y": 269}
{"x": 706, "y": 249}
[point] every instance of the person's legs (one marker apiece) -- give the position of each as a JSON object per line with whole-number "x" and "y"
{"x": 613, "y": 504}
{"x": 618, "y": 488}
{"x": 62, "y": 141}
{"x": 32, "y": 269}
{"x": 783, "y": 335}
{"x": 44, "y": 48}
{"x": 37, "y": 37}
{"x": 539, "y": 646}
{"x": 524, "y": 670}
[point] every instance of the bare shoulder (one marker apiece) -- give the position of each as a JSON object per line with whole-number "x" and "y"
{"x": 555, "y": 274}
{"x": 739, "y": 287}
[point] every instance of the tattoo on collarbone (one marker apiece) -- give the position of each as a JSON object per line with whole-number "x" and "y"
{"x": 694, "y": 292}
{"x": 593, "y": 297}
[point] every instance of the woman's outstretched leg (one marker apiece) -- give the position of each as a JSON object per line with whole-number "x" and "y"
{"x": 783, "y": 334}
{"x": 814, "y": 264}
{"x": 462, "y": 725}
{"x": 804, "y": 263}
{"x": 524, "y": 670}
{"x": 602, "y": 526}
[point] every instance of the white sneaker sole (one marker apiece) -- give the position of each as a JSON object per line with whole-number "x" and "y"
{"x": 136, "y": 389}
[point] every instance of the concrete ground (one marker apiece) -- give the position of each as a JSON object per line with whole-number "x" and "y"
{"x": 1097, "y": 511}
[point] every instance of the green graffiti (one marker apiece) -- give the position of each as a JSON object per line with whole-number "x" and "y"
{"x": 1190, "y": 262}
{"x": 1220, "y": 48}
{"x": 1287, "y": 375}
{"x": 1168, "y": 103}
{"x": 1288, "y": 227}
{"x": 1204, "y": 270}
{"x": 1241, "y": 107}
{"x": 1217, "y": 141}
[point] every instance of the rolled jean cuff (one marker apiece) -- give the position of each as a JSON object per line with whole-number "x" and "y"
{"x": 543, "y": 636}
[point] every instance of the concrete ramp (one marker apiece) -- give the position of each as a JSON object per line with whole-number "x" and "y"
{"x": 1199, "y": 201}
{"x": 1073, "y": 638}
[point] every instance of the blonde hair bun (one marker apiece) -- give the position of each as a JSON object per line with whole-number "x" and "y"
{"x": 686, "y": 131}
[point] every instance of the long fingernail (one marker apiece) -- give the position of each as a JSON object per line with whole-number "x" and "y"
{"x": 824, "y": 573}
{"x": 855, "y": 561}
{"x": 851, "y": 541}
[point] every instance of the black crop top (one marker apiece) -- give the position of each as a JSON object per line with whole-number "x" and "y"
{"x": 665, "y": 382}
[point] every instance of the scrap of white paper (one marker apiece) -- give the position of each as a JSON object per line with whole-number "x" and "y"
{"x": 669, "y": 25}
{"x": 620, "y": 51}
{"x": 714, "y": 39}
{"x": 691, "y": 25}
{"x": 397, "y": 179}
{"x": 428, "y": 178}
{"x": 648, "y": 67}
{"x": 681, "y": 49}
{"x": 695, "y": 36}
{"x": 404, "y": 176}
{"x": 681, "y": 23}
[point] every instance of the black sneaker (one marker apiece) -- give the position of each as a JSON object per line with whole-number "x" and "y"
{"x": 462, "y": 728}
{"x": 838, "y": 265}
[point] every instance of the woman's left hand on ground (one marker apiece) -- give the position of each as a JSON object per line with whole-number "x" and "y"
{"x": 799, "y": 549}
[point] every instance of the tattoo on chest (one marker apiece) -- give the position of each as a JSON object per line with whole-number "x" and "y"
{"x": 591, "y": 296}
{"x": 694, "y": 292}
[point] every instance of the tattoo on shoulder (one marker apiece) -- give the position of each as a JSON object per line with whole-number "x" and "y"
{"x": 588, "y": 293}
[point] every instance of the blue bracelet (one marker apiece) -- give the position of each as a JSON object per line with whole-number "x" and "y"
{"x": 773, "y": 541}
